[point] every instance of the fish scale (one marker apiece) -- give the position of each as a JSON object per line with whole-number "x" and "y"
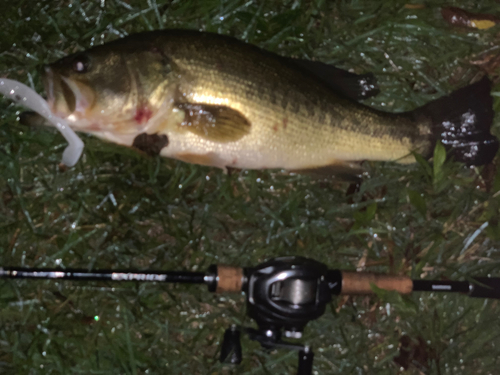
{"x": 319, "y": 131}
{"x": 225, "y": 103}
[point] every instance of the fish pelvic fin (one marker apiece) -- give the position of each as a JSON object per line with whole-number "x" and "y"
{"x": 462, "y": 122}
{"x": 150, "y": 144}
{"x": 33, "y": 119}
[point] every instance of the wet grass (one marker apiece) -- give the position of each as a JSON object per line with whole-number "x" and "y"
{"x": 119, "y": 209}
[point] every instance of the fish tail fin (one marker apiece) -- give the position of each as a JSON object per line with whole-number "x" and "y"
{"x": 462, "y": 122}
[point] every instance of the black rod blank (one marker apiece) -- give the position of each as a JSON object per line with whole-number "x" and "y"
{"x": 479, "y": 287}
{"x": 440, "y": 286}
{"x": 109, "y": 275}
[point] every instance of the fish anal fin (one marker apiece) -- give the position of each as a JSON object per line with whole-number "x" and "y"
{"x": 214, "y": 122}
{"x": 344, "y": 170}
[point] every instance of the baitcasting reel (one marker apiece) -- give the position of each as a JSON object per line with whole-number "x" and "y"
{"x": 282, "y": 295}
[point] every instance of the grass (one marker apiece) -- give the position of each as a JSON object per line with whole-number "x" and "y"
{"x": 119, "y": 209}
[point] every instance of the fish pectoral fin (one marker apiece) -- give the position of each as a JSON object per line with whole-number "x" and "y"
{"x": 214, "y": 122}
{"x": 344, "y": 170}
{"x": 354, "y": 86}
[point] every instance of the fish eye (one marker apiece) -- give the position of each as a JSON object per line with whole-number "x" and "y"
{"x": 81, "y": 64}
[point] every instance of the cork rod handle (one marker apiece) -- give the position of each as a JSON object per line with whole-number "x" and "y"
{"x": 229, "y": 279}
{"x": 360, "y": 283}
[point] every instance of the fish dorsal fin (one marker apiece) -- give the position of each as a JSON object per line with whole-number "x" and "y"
{"x": 354, "y": 86}
{"x": 214, "y": 122}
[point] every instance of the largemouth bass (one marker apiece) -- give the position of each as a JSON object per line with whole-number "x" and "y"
{"x": 213, "y": 100}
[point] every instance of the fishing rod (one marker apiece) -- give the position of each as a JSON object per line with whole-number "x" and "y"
{"x": 282, "y": 295}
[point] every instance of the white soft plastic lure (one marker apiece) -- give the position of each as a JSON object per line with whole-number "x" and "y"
{"x": 23, "y": 95}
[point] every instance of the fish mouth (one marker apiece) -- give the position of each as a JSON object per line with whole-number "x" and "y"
{"x": 64, "y": 95}
{"x": 61, "y": 99}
